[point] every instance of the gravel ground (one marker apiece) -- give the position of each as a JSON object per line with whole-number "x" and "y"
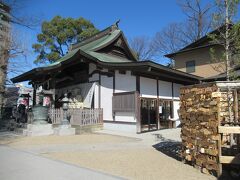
{"x": 133, "y": 156}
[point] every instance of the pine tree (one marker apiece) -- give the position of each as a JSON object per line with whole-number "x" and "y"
{"x": 58, "y": 34}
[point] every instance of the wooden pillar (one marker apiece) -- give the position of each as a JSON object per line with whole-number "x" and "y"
{"x": 138, "y": 111}
{"x": 148, "y": 112}
{"x": 34, "y": 94}
{"x": 99, "y": 92}
{"x": 172, "y": 122}
{"x": 158, "y": 119}
{"x": 28, "y": 99}
{"x": 114, "y": 82}
{"x": 138, "y": 105}
{"x": 114, "y": 86}
{"x": 138, "y": 84}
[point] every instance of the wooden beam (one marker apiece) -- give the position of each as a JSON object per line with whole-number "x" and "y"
{"x": 124, "y": 93}
{"x": 163, "y": 77}
{"x": 108, "y": 74}
{"x": 229, "y": 130}
{"x": 230, "y": 160}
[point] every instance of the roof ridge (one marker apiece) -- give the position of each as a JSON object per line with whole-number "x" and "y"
{"x": 95, "y": 36}
{"x": 198, "y": 41}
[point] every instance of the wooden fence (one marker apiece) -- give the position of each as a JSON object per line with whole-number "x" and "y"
{"x": 55, "y": 115}
{"x": 81, "y": 117}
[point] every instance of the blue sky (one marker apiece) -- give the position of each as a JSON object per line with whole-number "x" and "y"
{"x": 138, "y": 17}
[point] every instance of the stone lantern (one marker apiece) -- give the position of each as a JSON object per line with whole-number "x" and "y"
{"x": 65, "y": 127}
{"x": 65, "y": 102}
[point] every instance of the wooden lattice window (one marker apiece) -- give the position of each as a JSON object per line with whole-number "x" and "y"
{"x": 124, "y": 102}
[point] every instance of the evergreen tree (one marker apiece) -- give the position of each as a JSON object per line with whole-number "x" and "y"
{"x": 57, "y": 36}
{"x": 227, "y": 35}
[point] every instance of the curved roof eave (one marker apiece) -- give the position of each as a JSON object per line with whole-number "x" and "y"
{"x": 27, "y": 75}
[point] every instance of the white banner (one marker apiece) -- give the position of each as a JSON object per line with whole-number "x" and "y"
{"x": 85, "y": 91}
{"x": 87, "y": 94}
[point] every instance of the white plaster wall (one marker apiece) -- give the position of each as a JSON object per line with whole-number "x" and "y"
{"x": 106, "y": 97}
{"x": 120, "y": 127}
{"x": 176, "y": 106}
{"x": 148, "y": 87}
{"x": 125, "y": 82}
{"x": 125, "y": 117}
{"x": 96, "y": 93}
{"x": 165, "y": 89}
{"x": 176, "y": 90}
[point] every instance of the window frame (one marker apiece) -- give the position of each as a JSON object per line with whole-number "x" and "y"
{"x": 190, "y": 66}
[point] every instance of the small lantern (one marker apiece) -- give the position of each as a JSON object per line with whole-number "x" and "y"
{"x": 65, "y": 102}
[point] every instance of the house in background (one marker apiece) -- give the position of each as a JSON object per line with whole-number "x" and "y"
{"x": 102, "y": 72}
{"x": 195, "y": 58}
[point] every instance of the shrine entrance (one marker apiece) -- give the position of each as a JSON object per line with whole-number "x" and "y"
{"x": 148, "y": 114}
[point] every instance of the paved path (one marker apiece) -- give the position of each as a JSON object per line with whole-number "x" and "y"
{"x": 20, "y": 165}
{"x": 149, "y": 138}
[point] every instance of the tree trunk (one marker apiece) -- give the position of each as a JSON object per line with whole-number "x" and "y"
{"x": 227, "y": 53}
{"x": 227, "y": 41}
{"x": 3, "y": 75}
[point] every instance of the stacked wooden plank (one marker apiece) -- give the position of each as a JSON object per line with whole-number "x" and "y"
{"x": 199, "y": 116}
{"x": 210, "y": 125}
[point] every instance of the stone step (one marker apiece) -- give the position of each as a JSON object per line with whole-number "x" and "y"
{"x": 38, "y": 130}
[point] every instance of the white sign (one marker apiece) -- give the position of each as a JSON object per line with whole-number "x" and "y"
{"x": 160, "y": 109}
{"x": 88, "y": 94}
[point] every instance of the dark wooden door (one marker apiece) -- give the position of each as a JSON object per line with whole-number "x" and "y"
{"x": 148, "y": 114}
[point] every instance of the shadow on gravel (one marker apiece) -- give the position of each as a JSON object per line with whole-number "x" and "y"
{"x": 173, "y": 148}
{"x": 169, "y": 147}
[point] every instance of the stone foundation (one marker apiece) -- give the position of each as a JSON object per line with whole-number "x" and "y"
{"x": 64, "y": 130}
{"x": 38, "y": 130}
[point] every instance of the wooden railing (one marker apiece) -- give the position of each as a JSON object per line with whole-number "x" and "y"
{"x": 55, "y": 115}
{"x": 81, "y": 117}
{"x": 86, "y": 116}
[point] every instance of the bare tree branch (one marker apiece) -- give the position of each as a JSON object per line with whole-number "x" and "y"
{"x": 198, "y": 15}
{"x": 170, "y": 39}
{"x": 142, "y": 46}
